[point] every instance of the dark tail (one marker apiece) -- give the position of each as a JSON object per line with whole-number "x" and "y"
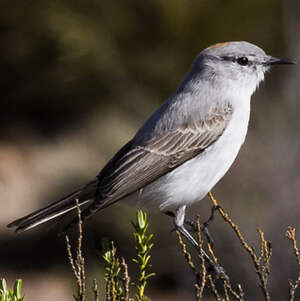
{"x": 58, "y": 208}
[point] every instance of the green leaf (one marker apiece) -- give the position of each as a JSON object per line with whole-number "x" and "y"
{"x": 149, "y": 275}
{"x": 3, "y": 285}
{"x": 146, "y": 260}
{"x": 149, "y": 238}
{"x": 143, "y": 247}
{"x": 17, "y": 288}
{"x": 142, "y": 219}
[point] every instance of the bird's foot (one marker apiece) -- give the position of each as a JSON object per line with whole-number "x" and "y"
{"x": 217, "y": 271}
{"x": 204, "y": 226}
{"x": 193, "y": 225}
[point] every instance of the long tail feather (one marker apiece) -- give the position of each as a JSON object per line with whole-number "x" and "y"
{"x": 56, "y": 209}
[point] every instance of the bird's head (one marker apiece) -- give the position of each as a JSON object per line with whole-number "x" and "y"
{"x": 239, "y": 63}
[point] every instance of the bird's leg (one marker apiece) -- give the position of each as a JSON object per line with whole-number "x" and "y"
{"x": 204, "y": 226}
{"x": 190, "y": 223}
{"x": 179, "y": 225}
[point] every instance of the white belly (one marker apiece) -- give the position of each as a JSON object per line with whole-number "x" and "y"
{"x": 191, "y": 181}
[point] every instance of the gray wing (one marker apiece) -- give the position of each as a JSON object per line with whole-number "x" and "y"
{"x": 136, "y": 166}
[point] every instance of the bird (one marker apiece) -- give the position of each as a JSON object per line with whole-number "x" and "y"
{"x": 184, "y": 148}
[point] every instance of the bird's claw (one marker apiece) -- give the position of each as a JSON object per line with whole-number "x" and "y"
{"x": 217, "y": 272}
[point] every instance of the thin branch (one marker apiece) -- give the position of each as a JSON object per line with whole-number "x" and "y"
{"x": 291, "y": 235}
{"x": 70, "y": 257}
{"x": 186, "y": 254}
{"x": 262, "y": 270}
{"x": 78, "y": 264}
{"x": 95, "y": 290}
{"x": 126, "y": 279}
{"x": 203, "y": 267}
{"x": 213, "y": 288}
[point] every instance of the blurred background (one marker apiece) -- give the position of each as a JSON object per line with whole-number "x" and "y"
{"x": 77, "y": 80}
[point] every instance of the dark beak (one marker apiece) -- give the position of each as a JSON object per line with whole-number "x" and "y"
{"x": 276, "y": 61}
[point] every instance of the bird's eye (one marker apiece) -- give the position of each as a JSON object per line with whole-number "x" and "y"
{"x": 242, "y": 61}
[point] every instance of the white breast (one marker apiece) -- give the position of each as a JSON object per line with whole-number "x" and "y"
{"x": 191, "y": 181}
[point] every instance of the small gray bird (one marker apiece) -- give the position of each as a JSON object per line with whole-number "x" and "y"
{"x": 185, "y": 147}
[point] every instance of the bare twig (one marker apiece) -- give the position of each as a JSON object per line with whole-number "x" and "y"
{"x": 80, "y": 258}
{"x": 78, "y": 264}
{"x": 108, "y": 291}
{"x": 203, "y": 267}
{"x": 111, "y": 276}
{"x": 187, "y": 255}
{"x": 291, "y": 235}
{"x": 229, "y": 290}
{"x": 95, "y": 290}
{"x": 126, "y": 279}
{"x": 262, "y": 269}
{"x": 70, "y": 256}
{"x": 213, "y": 288}
{"x": 206, "y": 279}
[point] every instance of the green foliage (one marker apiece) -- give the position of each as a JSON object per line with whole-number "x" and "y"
{"x": 112, "y": 268}
{"x": 116, "y": 271}
{"x": 143, "y": 247}
{"x": 11, "y": 295}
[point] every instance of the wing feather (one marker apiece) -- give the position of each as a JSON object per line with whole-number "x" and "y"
{"x": 136, "y": 166}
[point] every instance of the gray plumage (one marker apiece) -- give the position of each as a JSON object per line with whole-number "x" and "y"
{"x": 185, "y": 147}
